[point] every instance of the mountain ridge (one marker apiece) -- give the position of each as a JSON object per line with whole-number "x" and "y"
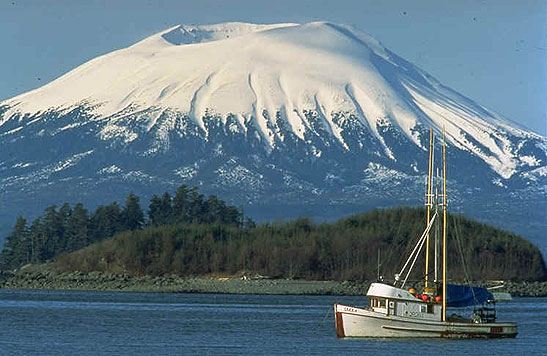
{"x": 266, "y": 88}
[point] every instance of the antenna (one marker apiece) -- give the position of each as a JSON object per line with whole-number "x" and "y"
{"x": 378, "y": 274}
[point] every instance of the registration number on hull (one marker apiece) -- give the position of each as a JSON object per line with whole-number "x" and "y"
{"x": 351, "y": 310}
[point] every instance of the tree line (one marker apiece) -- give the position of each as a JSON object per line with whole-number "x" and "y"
{"x": 66, "y": 229}
{"x": 189, "y": 234}
{"x": 343, "y": 250}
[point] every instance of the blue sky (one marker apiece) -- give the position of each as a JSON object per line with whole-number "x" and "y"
{"x": 493, "y": 51}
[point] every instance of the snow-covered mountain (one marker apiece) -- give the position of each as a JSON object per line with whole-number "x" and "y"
{"x": 287, "y": 119}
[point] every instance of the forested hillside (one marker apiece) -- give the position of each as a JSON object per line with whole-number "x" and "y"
{"x": 344, "y": 250}
{"x": 69, "y": 228}
{"x": 188, "y": 234}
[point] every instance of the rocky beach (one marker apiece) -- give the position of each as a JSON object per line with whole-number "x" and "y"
{"x": 48, "y": 279}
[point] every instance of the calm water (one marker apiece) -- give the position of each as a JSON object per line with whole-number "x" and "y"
{"x": 94, "y": 323}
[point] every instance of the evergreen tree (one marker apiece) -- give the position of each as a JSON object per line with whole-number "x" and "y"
{"x": 154, "y": 211}
{"x": 160, "y": 210}
{"x": 53, "y": 230}
{"x": 198, "y": 207}
{"x": 166, "y": 209}
{"x": 233, "y": 216}
{"x": 182, "y": 205}
{"x": 215, "y": 210}
{"x": 16, "y": 249}
{"x": 133, "y": 216}
{"x": 106, "y": 221}
{"x": 37, "y": 241}
{"x": 64, "y": 215}
{"x": 78, "y": 228}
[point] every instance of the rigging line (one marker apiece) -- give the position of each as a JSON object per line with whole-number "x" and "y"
{"x": 413, "y": 262}
{"x": 412, "y": 253}
{"x": 423, "y": 238}
{"x": 420, "y": 242}
{"x": 397, "y": 236}
{"x": 460, "y": 250}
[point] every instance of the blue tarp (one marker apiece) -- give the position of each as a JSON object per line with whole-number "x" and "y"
{"x": 462, "y": 296}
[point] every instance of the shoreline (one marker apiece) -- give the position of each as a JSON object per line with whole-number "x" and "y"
{"x": 96, "y": 281}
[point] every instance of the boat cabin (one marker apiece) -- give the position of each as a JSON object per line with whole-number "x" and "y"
{"x": 390, "y": 300}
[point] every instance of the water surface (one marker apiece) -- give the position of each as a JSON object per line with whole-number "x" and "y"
{"x": 98, "y": 323}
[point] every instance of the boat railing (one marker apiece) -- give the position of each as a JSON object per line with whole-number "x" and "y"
{"x": 487, "y": 313}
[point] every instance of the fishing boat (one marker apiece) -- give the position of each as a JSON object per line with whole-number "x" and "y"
{"x": 399, "y": 311}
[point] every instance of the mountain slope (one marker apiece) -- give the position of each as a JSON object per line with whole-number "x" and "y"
{"x": 305, "y": 116}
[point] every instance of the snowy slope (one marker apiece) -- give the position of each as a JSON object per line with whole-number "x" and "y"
{"x": 247, "y": 70}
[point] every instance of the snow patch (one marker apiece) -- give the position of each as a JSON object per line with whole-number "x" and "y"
{"x": 138, "y": 176}
{"x": 112, "y": 131}
{"x": 10, "y": 132}
{"x": 186, "y": 173}
{"x": 235, "y": 175}
{"x": 113, "y": 169}
{"x": 531, "y": 161}
{"x": 71, "y": 161}
{"x": 536, "y": 174}
{"x": 23, "y": 165}
{"x": 498, "y": 182}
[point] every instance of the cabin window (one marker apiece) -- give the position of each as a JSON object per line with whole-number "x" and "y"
{"x": 377, "y": 303}
{"x": 382, "y": 303}
{"x": 423, "y": 308}
{"x": 391, "y": 309}
{"x": 430, "y": 308}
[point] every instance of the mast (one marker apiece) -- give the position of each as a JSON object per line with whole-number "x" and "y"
{"x": 437, "y": 179}
{"x": 428, "y": 205}
{"x": 444, "y": 226}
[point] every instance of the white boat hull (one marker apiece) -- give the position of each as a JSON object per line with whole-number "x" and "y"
{"x": 359, "y": 322}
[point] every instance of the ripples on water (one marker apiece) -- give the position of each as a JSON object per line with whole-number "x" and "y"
{"x": 96, "y": 323}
